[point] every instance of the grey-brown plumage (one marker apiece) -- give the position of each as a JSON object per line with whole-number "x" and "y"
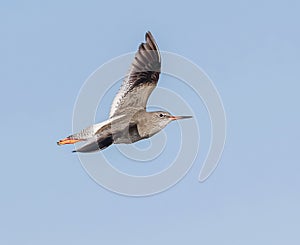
{"x": 129, "y": 121}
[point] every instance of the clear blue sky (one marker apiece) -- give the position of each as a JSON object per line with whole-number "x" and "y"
{"x": 251, "y": 51}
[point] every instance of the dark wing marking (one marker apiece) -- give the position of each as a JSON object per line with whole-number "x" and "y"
{"x": 96, "y": 144}
{"x": 141, "y": 80}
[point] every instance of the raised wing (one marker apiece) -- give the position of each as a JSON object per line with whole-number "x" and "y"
{"x": 140, "y": 81}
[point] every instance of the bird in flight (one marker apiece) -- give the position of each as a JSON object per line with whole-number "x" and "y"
{"x": 129, "y": 121}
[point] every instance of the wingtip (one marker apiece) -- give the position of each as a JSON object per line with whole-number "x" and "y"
{"x": 150, "y": 42}
{"x": 148, "y": 35}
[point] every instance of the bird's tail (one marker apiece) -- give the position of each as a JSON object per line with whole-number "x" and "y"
{"x": 96, "y": 144}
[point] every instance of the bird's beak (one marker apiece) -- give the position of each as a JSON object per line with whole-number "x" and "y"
{"x": 179, "y": 117}
{"x": 67, "y": 141}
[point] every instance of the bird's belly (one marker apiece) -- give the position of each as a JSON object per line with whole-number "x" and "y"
{"x": 128, "y": 135}
{"x": 122, "y": 141}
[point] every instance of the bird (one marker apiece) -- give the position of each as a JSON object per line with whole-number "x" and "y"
{"x": 129, "y": 121}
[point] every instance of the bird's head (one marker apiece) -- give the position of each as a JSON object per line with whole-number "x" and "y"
{"x": 160, "y": 119}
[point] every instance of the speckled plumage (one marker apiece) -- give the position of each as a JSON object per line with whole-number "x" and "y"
{"x": 129, "y": 121}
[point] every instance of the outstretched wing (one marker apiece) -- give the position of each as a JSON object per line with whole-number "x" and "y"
{"x": 141, "y": 80}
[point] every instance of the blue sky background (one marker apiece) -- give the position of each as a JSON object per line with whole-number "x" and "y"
{"x": 250, "y": 49}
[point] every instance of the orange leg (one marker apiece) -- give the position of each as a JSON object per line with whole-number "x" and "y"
{"x": 67, "y": 141}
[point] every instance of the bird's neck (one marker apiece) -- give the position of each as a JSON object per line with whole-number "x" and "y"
{"x": 145, "y": 124}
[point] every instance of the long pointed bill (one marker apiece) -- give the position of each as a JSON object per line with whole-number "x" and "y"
{"x": 180, "y": 117}
{"x": 67, "y": 141}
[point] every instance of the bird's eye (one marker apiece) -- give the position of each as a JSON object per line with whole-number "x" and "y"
{"x": 161, "y": 115}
